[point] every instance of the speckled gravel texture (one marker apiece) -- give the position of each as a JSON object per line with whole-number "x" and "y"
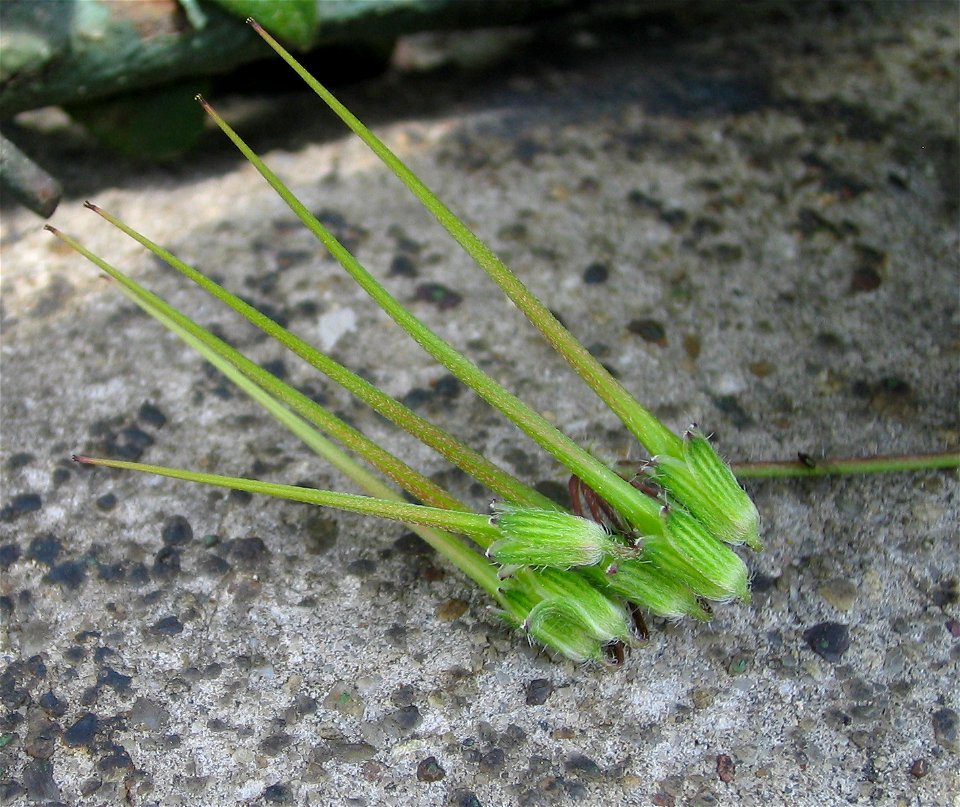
{"x": 749, "y": 215}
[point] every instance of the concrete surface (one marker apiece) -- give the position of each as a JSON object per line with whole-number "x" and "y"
{"x": 768, "y": 200}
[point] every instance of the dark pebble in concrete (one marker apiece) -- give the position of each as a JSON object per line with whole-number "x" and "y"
{"x": 596, "y": 273}
{"x": 118, "y": 682}
{"x": 19, "y": 505}
{"x": 166, "y": 564}
{"x": 20, "y": 460}
{"x": 403, "y": 266}
{"x": 919, "y": 768}
{"x": 275, "y": 744}
{"x": 9, "y": 554}
{"x": 513, "y": 737}
{"x": 429, "y": 770}
{"x": 584, "y": 767}
{"x": 946, "y": 728}
{"x": 44, "y": 549}
{"x": 167, "y": 626}
{"x": 438, "y": 294}
{"x": 52, "y": 705}
{"x": 726, "y": 769}
{"x": 278, "y": 794}
{"x": 70, "y": 574}
{"x": 353, "y": 752}
{"x": 447, "y": 387}
{"x": 41, "y": 738}
{"x": 82, "y": 732}
{"x": 320, "y": 534}
{"x": 176, "y": 531}
{"x": 538, "y": 690}
{"x": 733, "y": 409}
{"x": 650, "y": 330}
{"x": 38, "y": 780}
{"x": 406, "y": 719}
{"x": 106, "y": 503}
{"x": 829, "y": 640}
{"x": 10, "y": 791}
{"x": 110, "y": 571}
{"x": 250, "y": 551}
{"x": 115, "y": 759}
{"x": 492, "y": 762}
{"x": 129, "y": 444}
{"x": 467, "y": 798}
{"x": 213, "y": 565}
{"x": 361, "y": 567}
{"x": 138, "y": 574}
{"x": 151, "y": 415}
{"x": 36, "y": 667}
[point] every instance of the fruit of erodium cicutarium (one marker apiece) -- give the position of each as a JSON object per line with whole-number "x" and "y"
{"x": 570, "y": 578}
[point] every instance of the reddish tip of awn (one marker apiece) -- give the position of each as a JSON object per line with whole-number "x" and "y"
{"x": 80, "y": 458}
{"x": 51, "y": 229}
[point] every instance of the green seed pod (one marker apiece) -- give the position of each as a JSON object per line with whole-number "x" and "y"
{"x": 643, "y": 584}
{"x": 550, "y": 538}
{"x": 557, "y": 625}
{"x": 716, "y": 562}
{"x": 666, "y": 560}
{"x": 601, "y": 616}
{"x": 728, "y": 513}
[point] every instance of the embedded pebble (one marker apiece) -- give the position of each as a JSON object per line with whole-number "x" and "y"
{"x": 450, "y": 610}
{"x": 277, "y": 794}
{"x": 429, "y": 770}
{"x": 345, "y": 699}
{"x": 352, "y": 752}
{"x": 946, "y": 728}
{"x": 596, "y": 273}
{"x": 9, "y": 554}
{"x": 650, "y": 330}
{"x": 148, "y": 714}
{"x": 83, "y": 731}
{"x": 492, "y": 762}
{"x": 176, "y": 531}
{"x": 20, "y": 505}
{"x": 249, "y": 552}
{"x": 919, "y": 768}
{"x": 537, "y": 692}
{"x": 69, "y": 574}
{"x": 584, "y": 767}
{"x": 726, "y": 769}
{"x": 38, "y": 781}
{"x": 274, "y": 744}
{"x": 405, "y": 719}
{"x": 829, "y": 640}
{"x": 840, "y": 593}
{"x": 167, "y": 626}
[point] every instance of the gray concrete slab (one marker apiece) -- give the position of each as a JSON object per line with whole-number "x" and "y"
{"x": 751, "y": 217}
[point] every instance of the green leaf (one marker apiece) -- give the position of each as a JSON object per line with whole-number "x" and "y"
{"x": 292, "y": 20}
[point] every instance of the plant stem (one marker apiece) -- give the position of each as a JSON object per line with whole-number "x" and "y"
{"x": 407, "y": 477}
{"x": 882, "y": 463}
{"x": 639, "y": 510}
{"x": 443, "y": 542}
{"x": 476, "y": 526}
{"x": 656, "y": 437}
{"x": 448, "y": 446}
